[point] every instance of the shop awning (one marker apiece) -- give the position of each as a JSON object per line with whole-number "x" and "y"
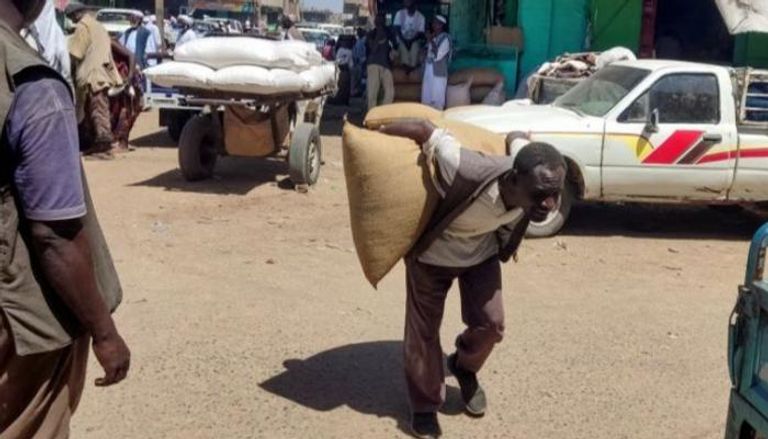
{"x": 742, "y": 16}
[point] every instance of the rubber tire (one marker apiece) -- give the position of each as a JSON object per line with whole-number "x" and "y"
{"x": 552, "y": 225}
{"x": 303, "y": 166}
{"x": 197, "y": 148}
{"x": 177, "y": 123}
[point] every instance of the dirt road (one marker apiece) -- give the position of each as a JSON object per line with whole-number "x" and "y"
{"x": 248, "y": 315}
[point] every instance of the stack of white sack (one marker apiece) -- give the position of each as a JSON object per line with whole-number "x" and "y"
{"x": 246, "y": 65}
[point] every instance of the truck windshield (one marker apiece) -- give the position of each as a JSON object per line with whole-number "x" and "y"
{"x": 596, "y": 95}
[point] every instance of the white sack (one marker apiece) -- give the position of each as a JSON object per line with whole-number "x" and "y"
{"x": 179, "y": 74}
{"x": 221, "y": 52}
{"x": 319, "y": 77}
{"x": 256, "y": 80}
{"x": 743, "y": 16}
{"x": 618, "y": 53}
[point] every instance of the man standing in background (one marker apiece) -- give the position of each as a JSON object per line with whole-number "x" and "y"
{"x": 139, "y": 40}
{"x": 91, "y": 48}
{"x": 380, "y": 44}
{"x": 59, "y": 283}
{"x": 358, "y": 58}
{"x": 410, "y": 26}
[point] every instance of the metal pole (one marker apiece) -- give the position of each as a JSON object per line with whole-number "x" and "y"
{"x": 160, "y": 14}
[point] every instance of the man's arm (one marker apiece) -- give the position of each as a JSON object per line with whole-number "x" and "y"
{"x": 42, "y": 135}
{"x": 418, "y": 130}
{"x": 64, "y": 255}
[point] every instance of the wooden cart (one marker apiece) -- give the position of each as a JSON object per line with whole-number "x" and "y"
{"x": 243, "y": 125}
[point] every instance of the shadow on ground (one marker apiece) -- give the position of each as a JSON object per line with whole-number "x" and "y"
{"x": 661, "y": 221}
{"x": 233, "y": 176}
{"x": 158, "y": 139}
{"x": 366, "y": 377}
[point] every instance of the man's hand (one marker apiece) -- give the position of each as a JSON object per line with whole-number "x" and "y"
{"x": 114, "y": 357}
{"x": 418, "y": 130}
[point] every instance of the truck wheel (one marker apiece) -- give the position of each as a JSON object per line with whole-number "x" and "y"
{"x": 176, "y": 125}
{"x": 556, "y": 220}
{"x": 305, "y": 155}
{"x": 197, "y": 148}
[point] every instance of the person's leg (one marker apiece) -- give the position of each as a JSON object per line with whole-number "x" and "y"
{"x": 483, "y": 313}
{"x": 426, "y": 86}
{"x": 101, "y": 119}
{"x": 403, "y": 54}
{"x": 439, "y": 88}
{"x": 413, "y": 54}
{"x": 39, "y": 393}
{"x": 427, "y": 287}
{"x": 388, "y": 83}
{"x": 373, "y": 85}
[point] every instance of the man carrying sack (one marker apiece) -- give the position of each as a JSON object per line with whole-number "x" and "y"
{"x": 57, "y": 280}
{"x": 486, "y": 203}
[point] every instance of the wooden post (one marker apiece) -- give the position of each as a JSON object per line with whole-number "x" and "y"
{"x": 160, "y": 14}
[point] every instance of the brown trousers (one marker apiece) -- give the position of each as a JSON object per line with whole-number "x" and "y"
{"x": 96, "y": 128}
{"x": 39, "y": 393}
{"x": 481, "y": 310}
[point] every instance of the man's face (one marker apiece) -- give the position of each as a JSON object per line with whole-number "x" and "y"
{"x": 379, "y": 22}
{"x": 409, "y": 4}
{"x": 540, "y": 191}
{"x": 29, "y": 9}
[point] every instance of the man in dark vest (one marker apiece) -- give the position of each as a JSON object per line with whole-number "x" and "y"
{"x": 57, "y": 280}
{"x": 487, "y": 203}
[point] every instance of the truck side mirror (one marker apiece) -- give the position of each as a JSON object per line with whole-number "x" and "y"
{"x": 652, "y": 126}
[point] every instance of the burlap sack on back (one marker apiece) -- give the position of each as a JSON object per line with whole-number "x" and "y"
{"x": 391, "y": 196}
{"x": 385, "y": 114}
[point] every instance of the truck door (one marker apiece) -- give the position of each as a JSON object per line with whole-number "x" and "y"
{"x": 660, "y": 146}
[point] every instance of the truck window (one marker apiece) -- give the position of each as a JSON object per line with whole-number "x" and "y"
{"x": 691, "y": 98}
{"x": 598, "y": 94}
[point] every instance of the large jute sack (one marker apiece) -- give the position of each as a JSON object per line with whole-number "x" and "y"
{"x": 385, "y": 114}
{"x": 221, "y": 52}
{"x": 479, "y": 75}
{"x": 470, "y": 136}
{"x": 391, "y": 195}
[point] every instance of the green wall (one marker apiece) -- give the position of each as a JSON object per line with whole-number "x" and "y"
{"x": 751, "y": 50}
{"x": 616, "y": 23}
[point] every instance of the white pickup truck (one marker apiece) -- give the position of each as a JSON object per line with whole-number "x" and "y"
{"x": 650, "y": 131}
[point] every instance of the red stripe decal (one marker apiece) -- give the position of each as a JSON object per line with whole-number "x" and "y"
{"x": 730, "y": 155}
{"x": 672, "y": 148}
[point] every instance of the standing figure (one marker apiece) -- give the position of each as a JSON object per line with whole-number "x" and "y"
{"x": 59, "y": 282}
{"x": 186, "y": 31}
{"x": 95, "y": 75}
{"x": 380, "y": 44}
{"x": 410, "y": 26}
{"x": 289, "y": 27}
{"x": 358, "y": 59}
{"x": 139, "y": 40}
{"x": 435, "y": 83}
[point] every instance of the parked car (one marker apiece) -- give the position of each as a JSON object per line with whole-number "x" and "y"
{"x": 116, "y": 21}
{"x": 315, "y": 36}
{"x": 650, "y": 131}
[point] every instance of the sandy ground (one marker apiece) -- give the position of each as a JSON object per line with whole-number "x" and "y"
{"x": 248, "y": 315}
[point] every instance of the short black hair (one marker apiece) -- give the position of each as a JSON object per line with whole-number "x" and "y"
{"x": 537, "y": 154}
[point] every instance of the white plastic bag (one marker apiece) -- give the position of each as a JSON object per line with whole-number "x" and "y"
{"x": 179, "y": 74}
{"x": 256, "y": 80}
{"x": 222, "y": 52}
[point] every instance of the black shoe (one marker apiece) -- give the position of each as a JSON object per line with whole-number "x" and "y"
{"x": 471, "y": 391}
{"x": 425, "y": 426}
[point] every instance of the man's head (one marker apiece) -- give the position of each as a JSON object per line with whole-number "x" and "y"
{"x": 438, "y": 24}
{"x": 360, "y": 32}
{"x": 536, "y": 180}
{"x": 75, "y": 11}
{"x": 410, "y": 5}
{"x": 136, "y": 20}
{"x": 380, "y": 21}
{"x": 28, "y": 10}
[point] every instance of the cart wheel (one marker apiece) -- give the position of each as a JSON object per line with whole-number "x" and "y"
{"x": 176, "y": 124}
{"x": 197, "y": 148}
{"x": 305, "y": 154}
